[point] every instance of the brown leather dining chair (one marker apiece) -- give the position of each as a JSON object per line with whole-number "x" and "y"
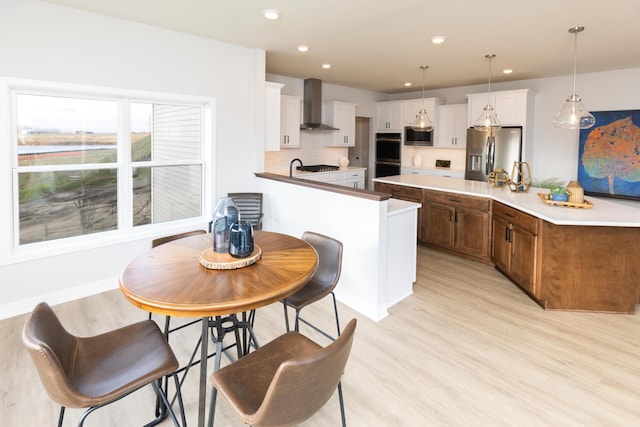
{"x": 285, "y": 381}
{"x": 321, "y": 284}
{"x": 92, "y": 372}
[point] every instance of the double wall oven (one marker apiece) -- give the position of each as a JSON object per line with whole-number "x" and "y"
{"x": 388, "y": 148}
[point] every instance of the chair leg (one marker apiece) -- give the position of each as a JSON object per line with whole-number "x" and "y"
{"x": 212, "y": 406}
{"x": 286, "y": 315}
{"x": 335, "y": 309}
{"x": 61, "y": 416}
{"x": 297, "y": 324}
{"x": 163, "y": 396}
{"x": 344, "y": 419}
{"x": 180, "y": 402}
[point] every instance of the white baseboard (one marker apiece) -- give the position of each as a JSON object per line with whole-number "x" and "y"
{"x": 25, "y": 306}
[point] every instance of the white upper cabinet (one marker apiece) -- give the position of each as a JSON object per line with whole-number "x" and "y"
{"x": 513, "y": 108}
{"x": 389, "y": 116}
{"x": 510, "y": 106}
{"x": 341, "y": 115}
{"x": 290, "y": 119}
{"x": 412, "y": 107}
{"x": 272, "y": 116}
{"x": 452, "y": 126}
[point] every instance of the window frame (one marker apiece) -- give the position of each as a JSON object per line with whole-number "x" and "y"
{"x": 11, "y": 251}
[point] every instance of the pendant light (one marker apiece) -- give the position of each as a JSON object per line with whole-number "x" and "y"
{"x": 422, "y": 123}
{"x": 488, "y": 120}
{"x": 573, "y": 115}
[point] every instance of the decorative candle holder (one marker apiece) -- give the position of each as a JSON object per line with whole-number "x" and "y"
{"x": 499, "y": 178}
{"x": 225, "y": 215}
{"x": 520, "y": 177}
{"x": 241, "y": 239}
{"x": 576, "y": 192}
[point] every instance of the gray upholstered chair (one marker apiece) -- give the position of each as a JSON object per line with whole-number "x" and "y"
{"x": 321, "y": 284}
{"x": 91, "y": 372}
{"x": 285, "y": 381}
{"x": 250, "y": 207}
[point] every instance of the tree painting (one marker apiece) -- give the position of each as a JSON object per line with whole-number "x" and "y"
{"x": 610, "y": 155}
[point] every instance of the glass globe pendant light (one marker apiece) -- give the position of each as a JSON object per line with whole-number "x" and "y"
{"x": 422, "y": 123}
{"x": 573, "y": 115}
{"x": 488, "y": 120}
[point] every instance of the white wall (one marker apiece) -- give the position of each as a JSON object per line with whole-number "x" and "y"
{"x": 43, "y": 41}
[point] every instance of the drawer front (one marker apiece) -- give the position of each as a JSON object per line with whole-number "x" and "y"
{"x": 356, "y": 174}
{"x": 458, "y": 200}
{"x": 400, "y": 191}
{"x": 516, "y": 217}
{"x": 407, "y": 193}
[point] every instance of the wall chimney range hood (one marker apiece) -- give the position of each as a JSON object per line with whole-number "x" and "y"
{"x": 312, "y": 107}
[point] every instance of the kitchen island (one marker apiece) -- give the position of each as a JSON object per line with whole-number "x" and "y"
{"x": 564, "y": 258}
{"x": 378, "y": 234}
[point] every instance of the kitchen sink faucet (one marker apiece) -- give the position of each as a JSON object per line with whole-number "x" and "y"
{"x": 291, "y": 166}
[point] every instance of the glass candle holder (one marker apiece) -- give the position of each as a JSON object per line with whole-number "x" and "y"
{"x": 241, "y": 239}
{"x": 225, "y": 215}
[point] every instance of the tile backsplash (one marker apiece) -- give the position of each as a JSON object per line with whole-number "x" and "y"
{"x": 312, "y": 151}
{"x": 431, "y": 154}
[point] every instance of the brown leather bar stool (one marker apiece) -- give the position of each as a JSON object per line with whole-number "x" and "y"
{"x": 285, "y": 381}
{"x": 321, "y": 284}
{"x": 91, "y": 372}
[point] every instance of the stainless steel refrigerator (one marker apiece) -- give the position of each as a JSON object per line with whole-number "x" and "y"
{"x": 488, "y": 151}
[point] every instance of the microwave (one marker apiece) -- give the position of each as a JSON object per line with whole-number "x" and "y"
{"x": 421, "y": 139}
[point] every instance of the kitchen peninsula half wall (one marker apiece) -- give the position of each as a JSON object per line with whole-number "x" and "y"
{"x": 378, "y": 235}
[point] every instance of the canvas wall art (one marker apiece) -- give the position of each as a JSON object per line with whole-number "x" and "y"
{"x": 609, "y": 155}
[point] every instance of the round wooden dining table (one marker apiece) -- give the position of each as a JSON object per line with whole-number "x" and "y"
{"x": 170, "y": 280}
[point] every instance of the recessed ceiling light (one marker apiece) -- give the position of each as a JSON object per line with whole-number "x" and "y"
{"x": 507, "y": 71}
{"x": 438, "y": 39}
{"x": 407, "y": 84}
{"x": 271, "y": 14}
{"x": 303, "y": 48}
{"x": 326, "y": 66}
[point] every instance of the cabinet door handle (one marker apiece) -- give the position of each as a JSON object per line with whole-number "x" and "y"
{"x": 450, "y": 216}
{"x": 506, "y": 234}
{"x": 455, "y": 216}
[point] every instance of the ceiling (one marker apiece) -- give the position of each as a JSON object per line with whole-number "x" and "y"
{"x": 379, "y": 45}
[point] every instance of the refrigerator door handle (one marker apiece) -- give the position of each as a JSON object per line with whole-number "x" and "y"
{"x": 491, "y": 154}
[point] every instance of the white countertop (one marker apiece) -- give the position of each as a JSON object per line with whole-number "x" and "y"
{"x": 397, "y": 206}
{"x": 603, "y": 213}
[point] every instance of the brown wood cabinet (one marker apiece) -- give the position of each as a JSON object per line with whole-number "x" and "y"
{"x": 403, "y": 192}
{"x": 567, "y": 267}
{"x": 514, "y": 245}
{"x": 457, "y": 222}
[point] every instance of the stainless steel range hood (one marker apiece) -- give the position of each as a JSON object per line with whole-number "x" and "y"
{"x": 312, "y": 107}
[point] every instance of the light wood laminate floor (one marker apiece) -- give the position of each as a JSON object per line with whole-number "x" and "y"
{"x": 466, "y": 349}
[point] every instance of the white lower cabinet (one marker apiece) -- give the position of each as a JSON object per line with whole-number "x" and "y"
{"x": 352, "y": 178}
{"x": 433, "y": 172}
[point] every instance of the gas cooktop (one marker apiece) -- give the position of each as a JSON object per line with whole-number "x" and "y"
{"x": 317, "y": 168}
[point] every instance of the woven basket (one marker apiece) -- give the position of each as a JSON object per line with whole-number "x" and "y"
{"x": 576, "y": 192}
